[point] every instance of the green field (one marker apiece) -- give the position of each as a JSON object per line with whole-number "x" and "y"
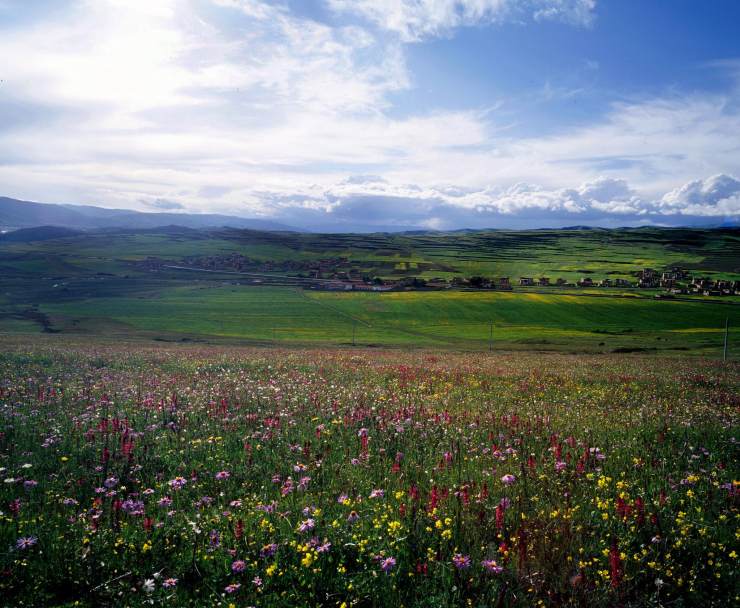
{"x": 98, "y": 285}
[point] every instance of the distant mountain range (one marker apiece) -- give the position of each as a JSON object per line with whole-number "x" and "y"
{"x": 15, "y": 214}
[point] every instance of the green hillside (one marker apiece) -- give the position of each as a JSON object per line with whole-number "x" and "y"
{"x": 125, "y": 285}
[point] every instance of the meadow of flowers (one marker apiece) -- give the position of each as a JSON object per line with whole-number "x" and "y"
{"x": 197, "y": 476}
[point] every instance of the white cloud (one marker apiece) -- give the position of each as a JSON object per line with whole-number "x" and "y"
{"x": 246, "y": 108}
{"x": 716, "y": 195}
{"x": 414, "y": 20}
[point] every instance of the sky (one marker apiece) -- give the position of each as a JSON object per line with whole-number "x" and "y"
{"x": 370, "y": 115}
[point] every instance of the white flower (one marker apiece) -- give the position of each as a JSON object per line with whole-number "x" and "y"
{"x": 149, "y": 585}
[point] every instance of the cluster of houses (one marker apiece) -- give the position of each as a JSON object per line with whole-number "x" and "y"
{"x": 327, "y": 274}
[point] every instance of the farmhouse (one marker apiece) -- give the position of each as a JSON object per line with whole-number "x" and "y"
{"x": 526, "y": 281}
{"x": 585, "y": 282}
{"x": 543, "y": 282}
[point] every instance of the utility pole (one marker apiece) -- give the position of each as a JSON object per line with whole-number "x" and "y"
{"x": 727, "y": 331}
{"x": 490, "y": 338}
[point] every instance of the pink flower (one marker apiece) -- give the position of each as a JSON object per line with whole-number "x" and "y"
{"x": 508, "y": 479}
{"x": 307, "y": 525}
{"x": 169, "y": 583}
{"x": 460, "y": 561}
{"x": 222, "y": 475}
{"x": 491, "y": 566}
{"x": 560, "y": 466}
{"x": 178, "y": 483}
{"x": 238, "y": 566}
{"x": 233, "y": 588}
{"x": 377, "y": 494}
{"x": 388, "y": 564}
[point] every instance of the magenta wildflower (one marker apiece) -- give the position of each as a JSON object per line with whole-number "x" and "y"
{"x": 388, "y": 564}
{"x": 222, "y": 475}
{"x": 238, "y": 566}
{"x": 232, "y": 588}
{"x": 508, "y": 479}
{"x": 169, "y": 583}
{"x": 178, "y": 483}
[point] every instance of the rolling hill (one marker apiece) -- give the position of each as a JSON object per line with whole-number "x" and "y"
{"x": 16, "y": 214}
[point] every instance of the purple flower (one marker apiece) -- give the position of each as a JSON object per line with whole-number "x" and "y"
{"x": 238, "y": 566}
{"x": 169, "y": 583}
{"x": 30, "y": 484}
{"x": 508, "y": 479}
{"x": 133, "y": 507}
{"x": 110, "y": 483}
{"x": 388, "y": 564}
{"x": 268, "y": 550}
{"x": 560, "y": 466}
{"x": 490, "y": 565}
{"x": 233, "y": 588}
{"x": 222, "y": 475}
{"x": 178, "y": 483}
{"x": 353, "y": 517}
{"x": 26, "y": 542}
{"x": 306, "y": 525}
{"x": 460, "y": 561}
{"x": 377, "y": 494}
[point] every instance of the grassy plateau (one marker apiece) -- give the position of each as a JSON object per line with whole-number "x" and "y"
{"x": 145, "y": 285}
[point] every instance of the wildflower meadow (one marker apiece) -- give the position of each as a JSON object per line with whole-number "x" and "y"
{"x": 190, "y": 475}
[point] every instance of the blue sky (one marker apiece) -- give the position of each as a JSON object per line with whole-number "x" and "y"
{"x": 377, "y": 114}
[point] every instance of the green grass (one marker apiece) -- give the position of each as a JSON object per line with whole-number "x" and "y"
{"x": 453, "y": 319}
{"x": 95, "y": 285}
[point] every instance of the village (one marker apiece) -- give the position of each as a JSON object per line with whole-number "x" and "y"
{"x": 673, "y": 281}
{"x": 329, "y": 275}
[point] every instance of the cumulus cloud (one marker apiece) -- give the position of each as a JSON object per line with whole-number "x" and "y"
{"x": 368, "y": 205}
{"x": 715, "y": 196}
{"x": 414, "y": 20}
